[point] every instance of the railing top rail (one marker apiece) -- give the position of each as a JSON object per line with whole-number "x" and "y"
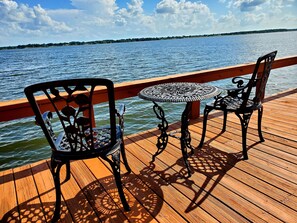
{"x": 20, "y": 108}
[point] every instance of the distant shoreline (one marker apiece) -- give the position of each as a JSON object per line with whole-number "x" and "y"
{"x": 74, "y": 43}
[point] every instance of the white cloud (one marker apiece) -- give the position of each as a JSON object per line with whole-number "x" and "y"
{"x": 134, "y": 11}
{"x": 103, "y": 19}
{"x": 227, "y": 22}
{"x": 262, "y": 14}
{"x": 181, "y": 7}
{"x": 251, "y": 18}
{"x": 100, "y": 8}
{"x": 130, "y": 22}
{"x": 279, "y": 5}
{"x": 135, "y": 7}
{"x": 19, "y": 20}
{"x": 167, "y": 7}
{"x": 183, "y": 17}
{"x": 248, "y": 5}
{"x": 25, "y": 18}
{"x": 255, "y": 5}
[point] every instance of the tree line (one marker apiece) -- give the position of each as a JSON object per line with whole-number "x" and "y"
{"x": 75, "y": 43}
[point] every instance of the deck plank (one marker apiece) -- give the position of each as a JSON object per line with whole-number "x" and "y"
{"x": 8, "y": 205}
{"x": 45, "y": 186}
{"x": 223, "y": 187}
{"x": 76, "y": 201}
{"x": 92, "y": 188}
{"x": 268, "y": 151}
{"x": 30, "y": 208}
{"x": 261, "y": 180}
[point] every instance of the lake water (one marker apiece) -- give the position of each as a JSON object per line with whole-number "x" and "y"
{"x": 21, "y": 142}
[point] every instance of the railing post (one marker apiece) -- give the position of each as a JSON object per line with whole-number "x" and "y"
{"x": 195, "y": 112}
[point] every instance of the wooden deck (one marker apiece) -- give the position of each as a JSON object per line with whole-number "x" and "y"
{"x": 223, "y": 188}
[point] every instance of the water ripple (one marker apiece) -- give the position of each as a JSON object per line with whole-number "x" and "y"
{"x": 22, "y": 142}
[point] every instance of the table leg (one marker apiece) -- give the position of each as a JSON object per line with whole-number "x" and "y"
{"x": 163, "y": 126}
{"x": 185, "y": 139}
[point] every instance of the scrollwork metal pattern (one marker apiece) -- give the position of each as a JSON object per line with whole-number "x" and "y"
{"x": 163, "y": 126}
{"x": 178, "y": 92}
{"x": 74, "y": 122}
{"x": 79, "y": 133}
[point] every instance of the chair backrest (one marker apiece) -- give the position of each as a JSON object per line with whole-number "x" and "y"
{"x": 259, "y": 79}
{"x": 72, "y": 101}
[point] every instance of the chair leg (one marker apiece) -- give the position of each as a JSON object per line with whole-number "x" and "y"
{"x": 225, "y": 121}
{"x": 115, "y": 165}
{"x": 206, "y": 112}
{"x": 244, "y": 120}
{"x": 67, "y": 171}
{"x": 123, "y": 153}
{"x": 55, "y": 168}
{"x": 260, "y": 114}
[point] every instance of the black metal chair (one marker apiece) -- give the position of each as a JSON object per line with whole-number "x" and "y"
{"x": 72, "y": 101}
{"x": 247, "y": 97}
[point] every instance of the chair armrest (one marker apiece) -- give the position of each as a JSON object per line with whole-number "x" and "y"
{"x": 240, "y": 78}
{"x": 120, "y": 113}
{"x": 241, "y": 84}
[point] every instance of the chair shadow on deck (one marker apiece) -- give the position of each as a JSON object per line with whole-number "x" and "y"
{"x": 103, "y": 196}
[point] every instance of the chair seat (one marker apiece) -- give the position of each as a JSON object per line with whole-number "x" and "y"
{"x": 232, "y": 104}
{"x": 101, "y": 136}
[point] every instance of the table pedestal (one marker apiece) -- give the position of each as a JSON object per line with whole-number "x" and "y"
{"x": 185, "y": 138}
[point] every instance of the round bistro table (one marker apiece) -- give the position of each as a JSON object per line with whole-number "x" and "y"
{"x": 174, "y": 92}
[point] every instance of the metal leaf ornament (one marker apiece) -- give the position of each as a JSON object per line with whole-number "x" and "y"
{"x": 68, "y": 111}
{"x": 82, "y": 99}
{"x": 71, "y": 129}
{"x": 82, "y": 121}
{"x": 56, "y": 93}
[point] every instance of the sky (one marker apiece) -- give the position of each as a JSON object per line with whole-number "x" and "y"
{"x": 55, "y": 21}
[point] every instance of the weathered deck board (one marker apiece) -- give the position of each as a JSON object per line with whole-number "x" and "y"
{"x": 223, "y": 188}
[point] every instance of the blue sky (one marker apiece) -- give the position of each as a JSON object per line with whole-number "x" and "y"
{"x": 52, "y": 21}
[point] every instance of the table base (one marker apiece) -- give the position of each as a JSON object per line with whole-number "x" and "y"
{"x": 185, "y": 138}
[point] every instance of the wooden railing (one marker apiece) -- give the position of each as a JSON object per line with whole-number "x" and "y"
{"x": 20, "y": 108}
